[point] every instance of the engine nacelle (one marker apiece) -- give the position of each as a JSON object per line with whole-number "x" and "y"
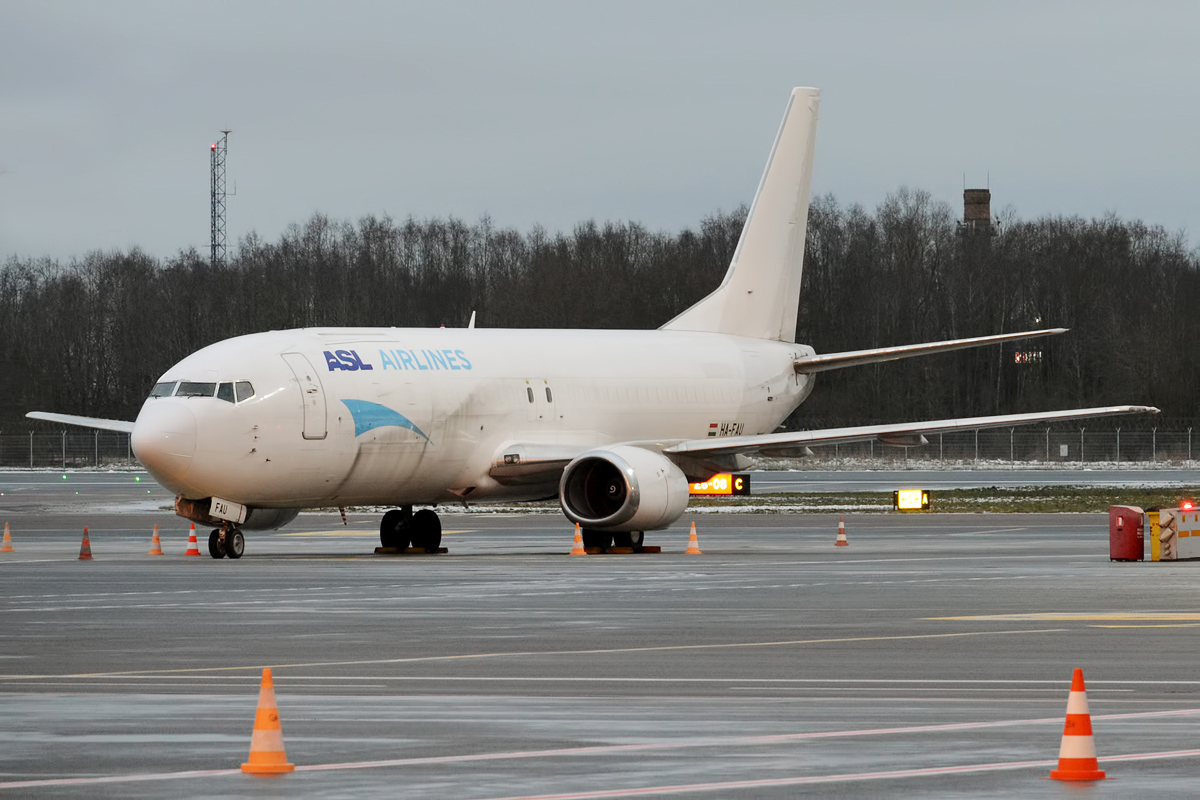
{"x": 623, "y": 488}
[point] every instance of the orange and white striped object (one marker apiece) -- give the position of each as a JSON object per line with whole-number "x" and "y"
{"x": 267, "y": 756}
{"x": 193, "y": 548}
{"x": 155, "y": 543}
{"x": 85, "y": 547}
{"x": 577, "y": 548}
{"x": 1077, "y": 756}
{"x": 841, "y": 537}
{"x": 693, "y": 548}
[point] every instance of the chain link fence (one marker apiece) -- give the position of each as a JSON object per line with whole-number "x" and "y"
{"x": 1028, "y": 446}
{"x": 68, "y": 449}
{"x": 963, "y": 449}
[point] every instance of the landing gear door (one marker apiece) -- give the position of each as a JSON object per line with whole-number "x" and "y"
{"x": 312, "y": 393}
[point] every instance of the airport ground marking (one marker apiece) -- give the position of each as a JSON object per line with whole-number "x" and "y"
{"x": 603, "y": 750}
{"x": 529, "y": 653}
{"x": 1052, "y": 616}
{"x": 1179, "y": 625}
{"x": 916, "y": 684}
{"x": 965, "y": 769}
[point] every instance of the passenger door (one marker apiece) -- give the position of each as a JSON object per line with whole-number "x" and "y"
{"x": 312, "y": 395}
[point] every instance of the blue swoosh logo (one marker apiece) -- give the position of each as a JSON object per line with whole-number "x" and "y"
{"x": 369, "y": 416}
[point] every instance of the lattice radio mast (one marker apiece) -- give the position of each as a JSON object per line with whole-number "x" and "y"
{"x": 218, "y": 199}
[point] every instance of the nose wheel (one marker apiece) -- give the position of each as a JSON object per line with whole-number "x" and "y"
{"x": 223, "y": 543}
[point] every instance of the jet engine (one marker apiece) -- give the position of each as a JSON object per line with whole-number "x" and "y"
{"x": 623, "y": 488}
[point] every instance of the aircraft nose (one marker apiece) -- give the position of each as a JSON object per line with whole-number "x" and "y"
{"x": 164, "y": 440}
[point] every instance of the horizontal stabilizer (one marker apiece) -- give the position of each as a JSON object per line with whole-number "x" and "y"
{"x": 853, "y": 358}
{"x": 118, "y": 425}
{"x": 909, "y": 430}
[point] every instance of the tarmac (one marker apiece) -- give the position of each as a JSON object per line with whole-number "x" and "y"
{"x": 932, "y": 656}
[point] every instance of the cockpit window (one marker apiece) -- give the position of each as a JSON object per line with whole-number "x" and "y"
{"x": 190, "y": 389}
{"x": 229, "y": 391}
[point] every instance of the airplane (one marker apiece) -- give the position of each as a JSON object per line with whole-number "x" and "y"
{"x": 613, "y": 423}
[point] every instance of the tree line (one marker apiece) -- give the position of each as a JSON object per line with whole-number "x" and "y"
{"x": 91, "y": 335}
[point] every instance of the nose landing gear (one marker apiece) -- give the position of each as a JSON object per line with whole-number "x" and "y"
{"x": 226, "y": 542}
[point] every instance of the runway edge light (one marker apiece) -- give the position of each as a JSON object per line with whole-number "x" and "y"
{"x": 910, "y": 500}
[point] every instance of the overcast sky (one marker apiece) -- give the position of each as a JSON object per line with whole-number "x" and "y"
{"x": 555, "y": 113}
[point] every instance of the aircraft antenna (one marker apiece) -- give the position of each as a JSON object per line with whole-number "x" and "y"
{"x": 218, "y": 198}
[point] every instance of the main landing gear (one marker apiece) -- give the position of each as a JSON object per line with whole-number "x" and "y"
{"x": 608, "y": 542}
{"x": 226, "y": 542}
{"x": 400, "y": 529}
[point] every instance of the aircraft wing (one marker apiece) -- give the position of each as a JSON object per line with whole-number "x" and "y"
{"x": 852, "y": 358}
{"x": 119, "y": 425}
{"x": 901, "y": 433}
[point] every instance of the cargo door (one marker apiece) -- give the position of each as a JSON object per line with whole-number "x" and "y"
{"x": 312, "y": 394}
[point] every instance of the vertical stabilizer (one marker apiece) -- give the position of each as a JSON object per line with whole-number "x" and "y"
{"x": 760, "y": 295}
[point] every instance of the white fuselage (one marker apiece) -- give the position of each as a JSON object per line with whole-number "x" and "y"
{"x": 395, "y": 416}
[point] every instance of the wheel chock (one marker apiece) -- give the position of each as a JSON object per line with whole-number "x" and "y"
{"x": 409, "y": 551}
{"x": 623, "y": 551}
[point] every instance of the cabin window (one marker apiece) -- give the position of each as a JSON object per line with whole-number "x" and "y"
{"x": 244, "y": 390}
{"x": 163, "y": 389}
{"x": 529, "y": 391}
{"x": 549, "y": 397}
{"x": 225, "y": 392}
{"x": 191, "y": 389}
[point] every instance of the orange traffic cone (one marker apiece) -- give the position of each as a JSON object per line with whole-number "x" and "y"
{"x": 193, "y": 545}
{"x": 693, "y": 543}
{"x": 155, "y": 544}
{"x": 841, "y": 540}
{"x": 7, "y": 547}
{"x": 85, "y": 549}
{"x": 578, "y": 550}
{"x": 1077, "y": 756}
{"x": 266, "y": 743}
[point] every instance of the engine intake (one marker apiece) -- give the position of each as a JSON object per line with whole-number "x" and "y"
{"x": 623, "y": 488}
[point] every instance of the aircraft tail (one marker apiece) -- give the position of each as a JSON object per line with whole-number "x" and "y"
{"x": 760, "y": 295}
